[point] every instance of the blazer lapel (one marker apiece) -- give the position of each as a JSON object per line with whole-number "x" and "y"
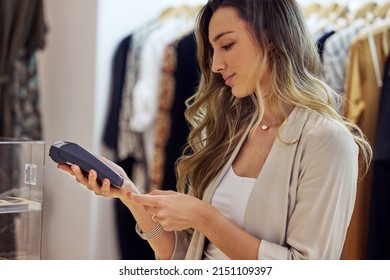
{"x": 271, "y": 180}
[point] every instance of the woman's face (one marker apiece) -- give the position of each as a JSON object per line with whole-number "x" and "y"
{"x": 235, "y": 53}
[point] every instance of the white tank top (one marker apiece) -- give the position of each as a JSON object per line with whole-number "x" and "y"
{"x": 231, "y": 199}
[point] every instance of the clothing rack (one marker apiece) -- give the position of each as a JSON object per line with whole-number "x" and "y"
{"x": 378, "y": 9}
{"x": 155, "y": 71}
{"x": 354, "y": 47}
{"x": 176, "y": 79}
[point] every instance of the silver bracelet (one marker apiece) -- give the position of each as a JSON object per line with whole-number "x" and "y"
{"x": 151, "y": 234}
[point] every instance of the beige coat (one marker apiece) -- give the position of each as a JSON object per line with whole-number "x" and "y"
{"x": 363, "y": 90}
{"x": 303, "y": 199}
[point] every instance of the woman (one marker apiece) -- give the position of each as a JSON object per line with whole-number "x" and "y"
{"x": 270, "y": 170}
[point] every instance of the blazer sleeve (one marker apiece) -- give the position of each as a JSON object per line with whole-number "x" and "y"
{"x": 182, "y": 242}
{"x": 324, "y": 196}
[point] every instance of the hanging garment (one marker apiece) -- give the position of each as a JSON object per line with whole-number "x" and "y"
{"x": 163, "y": 121}
{"x": 128, "y": 140}
{"x": 130, "y": 145}
{"x": 131, "y": 246}
{"x": 25, "y": 99}
{"x": 186, "y": 76}
{"x": 321, "y": 42}
{"x": 379, "y": 230}
{"x": 111, "y": 130}
{"x": 146, "y": 89}
{"x": 336, "y": 53}
{"x": 22, "y": 27}
{"x": 362, "y": 90}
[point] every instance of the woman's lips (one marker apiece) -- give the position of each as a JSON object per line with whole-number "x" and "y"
{"x": 228, "y": 80}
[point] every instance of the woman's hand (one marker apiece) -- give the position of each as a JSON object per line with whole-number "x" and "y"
{"x": 104, "y": 188}
{"x": 173, "y": 210}
{"x": 164, "y": 244}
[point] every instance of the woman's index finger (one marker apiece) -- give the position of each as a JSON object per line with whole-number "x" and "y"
{"x": 146, "y": 199}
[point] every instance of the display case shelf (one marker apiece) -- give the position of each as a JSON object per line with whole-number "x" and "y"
{"x": 21, "y": 197}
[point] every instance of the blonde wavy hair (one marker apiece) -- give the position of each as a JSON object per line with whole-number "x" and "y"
{"x": 218, "y": 119}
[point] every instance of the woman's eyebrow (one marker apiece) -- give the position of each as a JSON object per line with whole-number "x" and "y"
{"x": 220, "y": 35}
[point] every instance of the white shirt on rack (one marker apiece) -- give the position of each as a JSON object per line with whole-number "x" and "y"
{"x": 145, "y": 92}
{"x": 146, "y": 89}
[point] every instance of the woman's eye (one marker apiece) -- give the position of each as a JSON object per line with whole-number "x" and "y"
{"x": 227, "y": 47}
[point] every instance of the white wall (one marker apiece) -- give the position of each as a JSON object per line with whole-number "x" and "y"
{"x": 67, "y": 69}
{"x": 75, "y": 69}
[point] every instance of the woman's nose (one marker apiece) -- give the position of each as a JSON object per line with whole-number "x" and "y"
{"x": 217, "y": 64}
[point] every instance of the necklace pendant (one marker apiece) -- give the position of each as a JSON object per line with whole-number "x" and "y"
{"x": 264, "y": 127}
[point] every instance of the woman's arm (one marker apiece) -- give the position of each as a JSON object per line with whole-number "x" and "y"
{"x": 163, "y": 244}
{"x": 176, "y": 211}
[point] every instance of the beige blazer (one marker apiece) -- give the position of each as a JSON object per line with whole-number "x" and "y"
{"x": 303, "y": 198}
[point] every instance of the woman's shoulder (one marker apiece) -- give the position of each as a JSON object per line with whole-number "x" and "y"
{"x": 308, "y": 125}
{"x": 318, "y": 123}
{"x": 326, "y": 131}
{"x": 311, "y": 122}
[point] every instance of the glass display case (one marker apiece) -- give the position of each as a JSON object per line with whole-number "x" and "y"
{"x": 21, "y": 194}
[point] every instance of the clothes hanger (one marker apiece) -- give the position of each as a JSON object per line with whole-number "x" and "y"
{"x": 364, "y": 9}
{"x": 342, "y": 11}
{"x": 339, "y": 17}
{"x": 182, "y": 10}
{"x": 382, "y": 10}
{"x": 310, "y": 9}
{"x": 166, "y": 13}
{"x": 325, "y": 11}
{"x": 369, "y": 33}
